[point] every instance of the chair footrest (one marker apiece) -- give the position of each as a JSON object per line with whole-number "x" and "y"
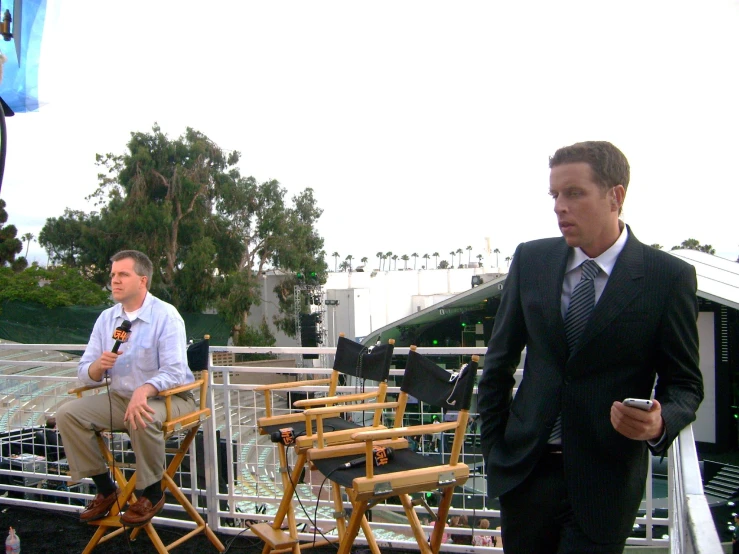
{"x": 107, "y": 521}
{"x": 276, "y": 538}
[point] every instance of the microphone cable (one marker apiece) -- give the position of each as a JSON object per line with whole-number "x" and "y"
{"x": 315, "y": 512}
{"x": 125, "y": 327}
{"x": 313, "y": 521}
{"x": 112, "y": 456}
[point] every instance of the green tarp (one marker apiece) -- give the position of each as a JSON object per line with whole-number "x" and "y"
{"x": 31, "y": 323}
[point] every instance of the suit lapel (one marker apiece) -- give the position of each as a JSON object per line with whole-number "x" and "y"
{"x": 623, "y": 286}
{"x": 554, "y": 264}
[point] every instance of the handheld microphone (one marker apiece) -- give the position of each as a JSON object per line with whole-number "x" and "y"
{"x": 381, "y": 455}
{"x": 286, "y": 436}
{"x": 121, "y": 334}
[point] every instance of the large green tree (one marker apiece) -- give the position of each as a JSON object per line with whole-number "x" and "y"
{"x": 211, "y": 233}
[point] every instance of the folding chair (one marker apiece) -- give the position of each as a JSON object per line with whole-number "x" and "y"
{"x": 197, "y": 359}
{"x": 386, "y": 469}
{"x": 303, "y": 429}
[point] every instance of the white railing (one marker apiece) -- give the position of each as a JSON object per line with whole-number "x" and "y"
{"x": 242, "y": 476}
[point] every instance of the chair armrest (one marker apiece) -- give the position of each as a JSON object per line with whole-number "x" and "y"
{"x": 182, "y": 388}
{"x": 335, "y": 399}
{"x": 79, "y": 390}
{"x": 351, "y": 449}
{"x": 404, "y": 431}
{"x": 312, "y": 412}
{"x": 307, "y": 382}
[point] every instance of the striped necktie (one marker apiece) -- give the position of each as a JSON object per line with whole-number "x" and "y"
{"x": 581, "y": 307}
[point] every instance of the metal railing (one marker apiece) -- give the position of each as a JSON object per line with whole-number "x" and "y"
{"x": 238, "y": 481}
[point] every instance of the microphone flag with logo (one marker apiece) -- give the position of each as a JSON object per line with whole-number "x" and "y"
{"x": 381, "y": 455}
{"x": 121, "y": 334}
{"x": 286, "y": 436}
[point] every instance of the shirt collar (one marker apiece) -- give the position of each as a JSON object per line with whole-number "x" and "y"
{"x": 144, "y": 310}
{"x": 606, "y": 260}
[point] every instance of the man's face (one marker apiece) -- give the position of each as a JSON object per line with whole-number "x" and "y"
{"x": 127, "y": 287}
{"x": 587, "y": 214}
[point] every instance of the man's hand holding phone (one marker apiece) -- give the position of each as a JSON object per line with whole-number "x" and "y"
{"x": 638, "y": 419}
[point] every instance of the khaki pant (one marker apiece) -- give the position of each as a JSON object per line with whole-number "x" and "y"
{"x": 79, "y": 419}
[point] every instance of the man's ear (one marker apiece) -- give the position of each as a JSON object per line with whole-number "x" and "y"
{"x": 618, "y": 194}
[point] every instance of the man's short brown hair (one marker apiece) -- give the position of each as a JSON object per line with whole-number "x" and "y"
{"x": 608, "y": 164}
{"x": 141, "y": 263}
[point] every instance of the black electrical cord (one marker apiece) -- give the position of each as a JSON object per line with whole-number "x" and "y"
{"x": 112, "y": 442}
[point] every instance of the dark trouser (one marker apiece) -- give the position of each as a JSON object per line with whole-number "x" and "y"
{"x": 537, "y": 517}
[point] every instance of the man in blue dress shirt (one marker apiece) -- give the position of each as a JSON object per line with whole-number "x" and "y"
{"x": 154, "y": 358}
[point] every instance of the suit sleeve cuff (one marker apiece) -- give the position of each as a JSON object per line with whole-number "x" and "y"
{"x": 657, "y": 444}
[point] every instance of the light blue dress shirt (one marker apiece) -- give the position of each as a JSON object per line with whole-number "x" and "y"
{"x": 155, "y": 353}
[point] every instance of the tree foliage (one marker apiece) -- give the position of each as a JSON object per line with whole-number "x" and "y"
{"x": 9, "y": 244}
{"x": 694, "y": 244}
{"x": 52, "y": 287}
{"x": 210, "y": 232}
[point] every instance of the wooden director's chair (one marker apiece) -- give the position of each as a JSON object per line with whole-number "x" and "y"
{"x": 197, "y": 359}
{"x": 390, "y": 469}
{"x": 302, "y": 430}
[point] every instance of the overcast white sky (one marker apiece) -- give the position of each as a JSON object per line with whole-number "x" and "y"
{"x": 422, "y": 126}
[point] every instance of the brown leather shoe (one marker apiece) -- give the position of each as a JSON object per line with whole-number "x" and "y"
{"x": 99, "y": 507}
{"x": 141, "y": 512}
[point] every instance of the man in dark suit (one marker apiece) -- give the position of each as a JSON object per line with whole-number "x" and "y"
{"x": 566, "y": 457}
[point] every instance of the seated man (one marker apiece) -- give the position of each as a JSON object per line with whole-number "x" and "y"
{"x": 153, "y": 359}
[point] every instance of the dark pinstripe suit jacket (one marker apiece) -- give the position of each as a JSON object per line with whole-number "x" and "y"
{"x": 644, "y": 325}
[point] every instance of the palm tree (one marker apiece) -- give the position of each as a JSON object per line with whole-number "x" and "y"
{"x": 436, "y": 255}
{"x": 379, "y": 257}
{"x": 508, "y": 260}
{"x": 469, "y": 254}
{"x": 694, "y": 244}
{"x": 336, "y": 257}
{"x": 459, "y": 257}
{"x": 415, "y": 259}
{"x": 364, "y": 260}
{"x": 343, "y": 265}
{"x": 496, "y": 252}
{"x": 27, "y": 238}
{"x": 395, "y": 259}
{"x": 426, "y": 257}
{"x": 349, "y": 258}
{"x": 384, "y": 257}
{"x": 388, "y": 256}
{"x": 452, "y": 254}
{"x": 405, "y": 259}
{"x": 479, "y": 259}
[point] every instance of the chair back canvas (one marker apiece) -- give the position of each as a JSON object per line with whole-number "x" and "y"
{"x": 197, "y": 355}
{"x": 364, "y": 362}
{"x": 449, "y": 390}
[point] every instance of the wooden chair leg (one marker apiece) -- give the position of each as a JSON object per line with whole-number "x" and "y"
{"x": 338, "y": 510}
{"x": 359, "y": 509}
{"x": 371, "y": 542}
{"x": 444, "y": 503}
{"x": 415, "y": 524}
{"x": 112, "y": 521}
